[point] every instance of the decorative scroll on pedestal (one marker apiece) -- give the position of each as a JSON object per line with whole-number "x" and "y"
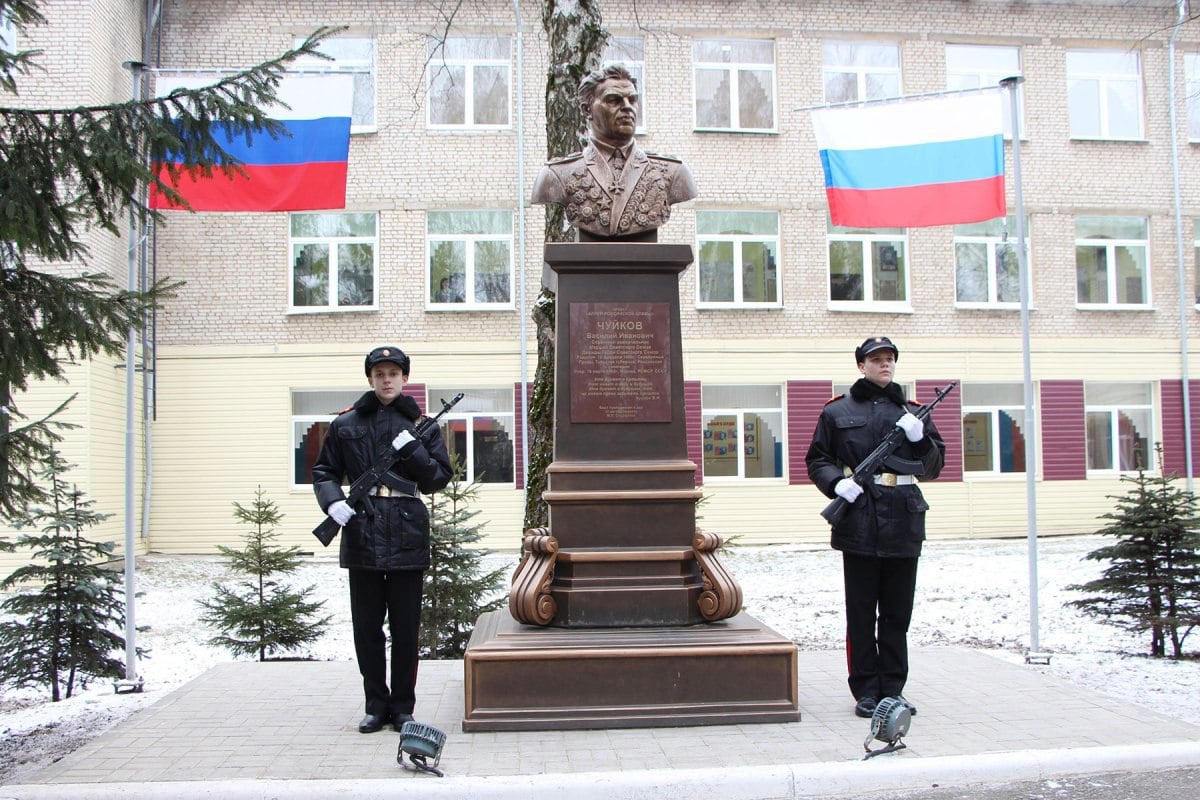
{"x": 722, "y": 597}
{"x": 530, "y": 601}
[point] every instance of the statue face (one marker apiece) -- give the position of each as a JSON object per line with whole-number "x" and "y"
{"x": 613, "y": 112}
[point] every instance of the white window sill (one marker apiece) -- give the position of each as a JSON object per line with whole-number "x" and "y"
{"x": 863, "y": 307}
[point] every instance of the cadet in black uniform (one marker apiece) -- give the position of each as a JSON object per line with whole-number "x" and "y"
{"x": 385, "y": 547}
{"x": 881, "y": 534}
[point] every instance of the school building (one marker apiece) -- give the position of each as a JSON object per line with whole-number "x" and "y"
{"x": 439, "y": 252}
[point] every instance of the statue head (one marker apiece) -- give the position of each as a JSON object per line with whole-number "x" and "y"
{"x": 608, "y": 98}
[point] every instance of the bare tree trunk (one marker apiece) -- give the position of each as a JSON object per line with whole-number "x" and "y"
{"x": 576, "y": 40}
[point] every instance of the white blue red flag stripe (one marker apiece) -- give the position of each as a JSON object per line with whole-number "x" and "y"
{"x": 301, "y": 170}
{"x": 914, "y": 163}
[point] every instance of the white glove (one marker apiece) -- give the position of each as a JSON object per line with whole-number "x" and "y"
{"x": 404, "y": 443}
{"x": 848, "y": 490}
{"x": 913, "y": 428}
{"x": 340, "y": 512}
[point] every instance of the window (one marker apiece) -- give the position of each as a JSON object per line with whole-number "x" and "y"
{"x": 8, "y": 34}
{"x": 311, "y": 414}
{"x": 993, "y": 425}
{"x": 1111, "y": 261}
{"x": 355, "y": 55}
{"x": 470, "y": 258}
{"x": 1196, "y": 246}
{"x": 986, "y": 272}
{"x": 478, "y": 432}
{"x": 1120, "y": 426}
{"x": 333, "y": 261}
{"x": 735, "y": 84}
{"x": 859, "y": 71}
{"x": 1191, "y": 70}
{"x": 742, "y": 431}
{"x": 738, "y": 257}
{"x": 469, "y": 82}
{"x": 867, "y": 266}
{"x": 629, "y": 51}
{"x": 971, "y": 66}
{"x": 1104, "y": 94}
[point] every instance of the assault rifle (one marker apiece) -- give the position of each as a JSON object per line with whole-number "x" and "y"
{"x": 864, "y": 473}
{"x": 359, "y": 492}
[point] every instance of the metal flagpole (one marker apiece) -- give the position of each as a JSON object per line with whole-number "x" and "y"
{"x": 1033, "y": 655}
{"x": 132, "y": 682}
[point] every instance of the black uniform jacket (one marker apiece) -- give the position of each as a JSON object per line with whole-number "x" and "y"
{"x": 393, "y": 533}
{"x": 886, "y": 521}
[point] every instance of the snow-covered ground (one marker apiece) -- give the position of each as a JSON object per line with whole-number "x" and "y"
{"x": 970, "y": 593}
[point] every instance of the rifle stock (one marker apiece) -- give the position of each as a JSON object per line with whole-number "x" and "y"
{"x": 362, "y": 485}
{"x": 835, "y": 512}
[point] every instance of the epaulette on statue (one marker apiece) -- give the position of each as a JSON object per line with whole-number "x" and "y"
{"x": 665, "y": 157}
{"x": 564, "y": 159}
{"x": 835, "y": 397}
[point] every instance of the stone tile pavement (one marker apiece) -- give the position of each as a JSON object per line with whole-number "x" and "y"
{"x": 289, "y": 729}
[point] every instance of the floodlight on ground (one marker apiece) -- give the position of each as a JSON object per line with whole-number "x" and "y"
{"x": 421, "y": 742}
{"x": 889, "y": 724}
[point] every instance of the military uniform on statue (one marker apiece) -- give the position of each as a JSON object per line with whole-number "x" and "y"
{"x": 611, "y": 191}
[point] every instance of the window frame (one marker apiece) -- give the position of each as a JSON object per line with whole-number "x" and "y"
{"x": 1112, "y": 277}
{"x": 1191, "y": 72}
{"x": 437, "y": 64}
{"x": 707, "y": 415}
{"x": 738, "y": 241}
{"x": 8, "y": 34}
{"x": 994, "y": 243}
{"x": 636, "y": 66}
{"x": 862, "y": 72}
{"x": 356, "y": 66}
{"x": 1196, "y": 260}
{"x": 985, "y": 75}
{"x": 308, "y": 420}
{"x": 1115, "y": 411}
{"x": 333, "y": 243}
{"x": 1105, "y": 81}
{"x": 866, "y": 239}
{"x": 733, "y": 69}
{"x": 468, "y": 412}
{"x": 993, "y": 410}
{"x": 468, "y": 303}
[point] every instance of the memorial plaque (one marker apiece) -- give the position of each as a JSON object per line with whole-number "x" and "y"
{"x": 620, "y": 362}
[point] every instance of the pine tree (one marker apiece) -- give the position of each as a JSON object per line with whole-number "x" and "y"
{"x": 62, "y": 633}
{"x": 63, "y": 171}
{"x": 1153, "y": 581}
{"x": 455, "y": 586}
{"x": 261, "y": 615}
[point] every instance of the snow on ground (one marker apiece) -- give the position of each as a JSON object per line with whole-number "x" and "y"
{"x": 970, "y": 594}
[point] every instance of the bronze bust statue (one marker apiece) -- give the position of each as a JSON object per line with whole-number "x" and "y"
{"x": 613, "y": 189}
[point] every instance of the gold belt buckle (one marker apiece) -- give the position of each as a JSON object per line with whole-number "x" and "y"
{"x": 887, "y": 479}
{"x": 383, "y": 491}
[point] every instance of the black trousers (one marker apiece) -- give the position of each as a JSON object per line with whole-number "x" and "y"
{"x": 396, "y": 595}
{"x": 879, "y": 604}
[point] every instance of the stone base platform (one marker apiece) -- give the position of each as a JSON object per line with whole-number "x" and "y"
{"x": 522, "y": 677}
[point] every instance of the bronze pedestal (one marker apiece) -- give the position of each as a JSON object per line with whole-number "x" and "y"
{"x": 621, "y": 613}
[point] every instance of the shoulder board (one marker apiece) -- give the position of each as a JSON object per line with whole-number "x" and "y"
{"x": 571, "y": 157}
{"x": 666, "y": 157}
{"x": 914, "y": 403}
{"x": 835, "y": 397}
{"x": 343, "y": 411}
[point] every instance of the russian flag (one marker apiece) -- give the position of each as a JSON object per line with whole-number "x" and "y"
{"x": 914, "y": 163}
{"x": 303, "y": 170}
